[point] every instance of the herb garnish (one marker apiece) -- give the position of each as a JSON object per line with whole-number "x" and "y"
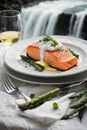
{"x": 32, "y": 96}
{"x": 49, "y": 38}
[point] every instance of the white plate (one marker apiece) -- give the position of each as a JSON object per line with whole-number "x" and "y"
{"x": 16, "y": 67}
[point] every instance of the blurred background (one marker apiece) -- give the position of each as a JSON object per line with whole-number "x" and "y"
{"x": 53, "y": 17}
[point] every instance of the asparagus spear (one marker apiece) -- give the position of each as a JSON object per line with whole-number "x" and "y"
{"x": 78, "y": 95}
{"x": 53, "y": 40}
{"x": 39, "y": 100}
{"x": 49, "y": 38}
{"x": 75, "y": 54}
{"x": 67, "y": 116}
{"x": 79, "y": 103}
{"x": 81, "y": 112}
{"x": 33, "y": 63}
{"x": 45, "y": 39}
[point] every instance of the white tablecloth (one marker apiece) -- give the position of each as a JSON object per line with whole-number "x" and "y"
{"x": 10, "y": 120}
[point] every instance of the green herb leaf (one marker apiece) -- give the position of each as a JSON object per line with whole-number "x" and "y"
{"x": 32, "y": 96}
{"x": 55, "y": 105}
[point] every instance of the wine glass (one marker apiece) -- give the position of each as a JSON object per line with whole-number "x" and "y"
{"x": 10, "y": 26}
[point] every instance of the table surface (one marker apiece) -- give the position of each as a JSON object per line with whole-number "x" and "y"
{"x": 9, "y": 118}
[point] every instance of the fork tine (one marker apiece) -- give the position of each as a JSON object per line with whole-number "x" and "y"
{"x": 4, "y": 84}
{"x": 6, "y": 87}
{"x": 10, "y": 87}
{"x": 10, "y": 83}
{"x": 7, "y": 83}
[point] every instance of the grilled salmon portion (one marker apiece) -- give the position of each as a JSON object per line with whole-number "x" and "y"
{"x": 61, "y": 59}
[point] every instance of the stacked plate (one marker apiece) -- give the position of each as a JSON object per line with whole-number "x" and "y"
{"x": 18, "y": 69}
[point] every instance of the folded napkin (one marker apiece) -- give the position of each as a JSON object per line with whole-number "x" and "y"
{"x": 45, "y": 113}
{"x": 12, "y": 118}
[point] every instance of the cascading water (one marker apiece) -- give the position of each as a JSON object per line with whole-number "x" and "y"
{"x": 75, "y": 30}
{"x": 41, "y": 19}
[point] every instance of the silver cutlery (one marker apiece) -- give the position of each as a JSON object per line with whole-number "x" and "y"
{"x": 75, "y": 87}
{"x": 9, "y": 87}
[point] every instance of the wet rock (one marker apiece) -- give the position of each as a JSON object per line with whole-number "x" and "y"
{"x": 84, "y": 29}
{"x": 62, "y": 26}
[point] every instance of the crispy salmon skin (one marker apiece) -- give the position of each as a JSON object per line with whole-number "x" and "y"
{"x": 61, "y": 59}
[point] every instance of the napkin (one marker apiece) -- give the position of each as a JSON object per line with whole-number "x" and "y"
{"x": 45, "y": 113}
{"x": 11, "y": 118}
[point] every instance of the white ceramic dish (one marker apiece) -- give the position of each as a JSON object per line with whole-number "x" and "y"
{"x": 17, "y": 68}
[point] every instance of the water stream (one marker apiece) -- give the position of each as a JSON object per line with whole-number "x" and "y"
{"x": 41, "y": 19}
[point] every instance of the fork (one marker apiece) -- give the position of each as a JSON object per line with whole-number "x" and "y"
{"x": 9, "y": 87}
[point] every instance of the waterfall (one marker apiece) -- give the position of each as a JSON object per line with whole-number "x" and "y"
{"x": 71, "y": 24}
{"x": 39, "y": 29}
{"x": 41, "y": 18}
{"x": 51, "y": 25}
{"x": 80, "y": 24}
{"x": 75, "y": 30}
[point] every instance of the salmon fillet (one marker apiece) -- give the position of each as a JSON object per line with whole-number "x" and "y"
{"x": 61, "y": 59}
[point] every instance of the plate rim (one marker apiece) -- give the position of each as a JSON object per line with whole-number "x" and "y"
{"x": 55, "y": 76}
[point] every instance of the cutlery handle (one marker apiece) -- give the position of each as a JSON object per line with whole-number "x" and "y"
{"x": 25, "y": 96}
{"x": 73, "y": 87}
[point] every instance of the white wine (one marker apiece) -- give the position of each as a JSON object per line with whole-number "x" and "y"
{"x": 10, "y": 37}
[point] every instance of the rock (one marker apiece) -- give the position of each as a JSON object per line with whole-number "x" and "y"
{"x": 62, "y": 26}
{"x": 84, "y": 29}
{"x": 15, "y": 4}
{"x": 12, "y": 4}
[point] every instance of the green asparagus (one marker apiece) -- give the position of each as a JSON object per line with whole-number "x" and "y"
{"x": 52, "y": 39}
{"x": 78, "y": 95}
{"x": 75, "y": 111}
{"x": 39, "y": 100}
{"x": 79, "y": 103}
{"x": 45, "y": 39}
{"x": 33, "y": 63}
{"x": 81, "y": 112}
{"x": 49, "y": 38}
{"x": 75, "y": 54}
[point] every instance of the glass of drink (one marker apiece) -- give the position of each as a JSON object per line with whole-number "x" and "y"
{"x": 10, "y": 26}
